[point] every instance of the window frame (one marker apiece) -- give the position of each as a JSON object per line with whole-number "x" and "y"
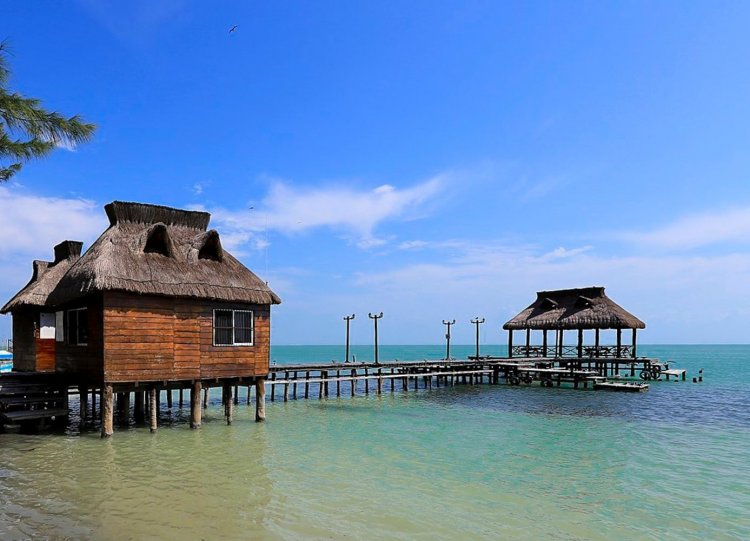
{"x": 234, "y": 327}
{"x": 68, "y": 314}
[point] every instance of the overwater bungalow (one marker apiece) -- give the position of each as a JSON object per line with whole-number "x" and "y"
{"x": 155, "y": 303}
{"x": 578, "y": 310}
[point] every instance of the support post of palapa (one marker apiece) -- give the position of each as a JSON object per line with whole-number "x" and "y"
{"x": 107, "y": 410}
{"x": 634, "y": 342}
{"x": 580, "y": 343}
{"x": 260, "y": 400}
{"x": 510, "y": 343}
{"x": 544, "y": 343}
{"x": 83, "y": 397}
{"x": 195, "y": 405}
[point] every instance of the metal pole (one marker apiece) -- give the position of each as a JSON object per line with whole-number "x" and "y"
{"x": 477, "y": 322}
{"x": 347, "y": 319}
{"x": 448, "y": 324}
{"x": 376, "y": 318}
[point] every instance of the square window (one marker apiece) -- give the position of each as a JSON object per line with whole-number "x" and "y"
{"x": 233, "y": 328}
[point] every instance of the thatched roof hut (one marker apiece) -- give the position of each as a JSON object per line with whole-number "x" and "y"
{"x": 156, "y": 250}
{"x": 573, "y": 309}
{"x": 45, "y": 277}
{"x": 581, "y": 308}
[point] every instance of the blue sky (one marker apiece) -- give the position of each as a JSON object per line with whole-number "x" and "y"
{"x": 433, "y": 160}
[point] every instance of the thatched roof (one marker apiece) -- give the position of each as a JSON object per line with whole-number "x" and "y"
{"x": 155, "y": 250}
{"x": 45, "y": 277}
{"x": 582, "y": 308}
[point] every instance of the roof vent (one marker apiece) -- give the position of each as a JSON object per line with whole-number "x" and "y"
{"x": 548, "y": 303}
{"x": 158, "y": 241}
{"x": 67, "y": 249}
{"x": 40, "y": 267}
{"x": 211, "y": 247}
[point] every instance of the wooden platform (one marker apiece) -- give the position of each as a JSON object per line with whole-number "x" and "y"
{"x": 620, "y": 386}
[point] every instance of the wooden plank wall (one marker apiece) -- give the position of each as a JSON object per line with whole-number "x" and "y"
{"x": 24, "y": 343}
{"x": 45, "y": 355}
{"x": 149, "y": 338}
{"x": 84, "y": 361}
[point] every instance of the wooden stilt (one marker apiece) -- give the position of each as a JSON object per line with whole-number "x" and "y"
{"x": 123, "y": 408}
{"x": 354, "y": 381}
{"x": 205, "y": 398}
{"x": 107, "y": 410}
{"x": 325, "y": 384}
{"x": 237, "y": 394}
{"x": 393, "y": 380}
{"x": 153, "y": 409}
{"x": 260, "y": 400}
{"x": 294, "y": 389}
{"x": 367, "y": 381}
{"x": 229, "y": 403}
{"x": 307, "y": 385}
{"x": 286, "y": 387}
{"x": 83, "y": 398}
{"x": 320, "y": 385}
{"x": 182, "y": 401}
{"x": 169, "y": 399}
{"x": 338, "y": 383}
{"x": 93, "y": 403}
{"x": 249, "y": 395}
{"x": 195, "y": 405}
{"x": 380, "y": 380}
{"x": 273, "y": 386}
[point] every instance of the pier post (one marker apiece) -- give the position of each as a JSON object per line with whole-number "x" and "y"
{"x": 544, "y": 343}
{"x": 380, "y": 380}
{"x": 260, "y": 400}
{"x": 286, "y": 387}
{"x": 338, "y": 383}
{"x": 528, "y": 340}
{"x": 153, "y": 409}
{"x": 634, "y": 342}
{"x": 367, "y": 381}
{"x": 273, "y": 386}
{"x": 83, "y": 401}
{"x": 320, "y": 384}
{"x": 619, "y": 342}
{"x": 195, "y": 405}
{"x": 123, "y": 408}
{"x": 325, "y": 384}
{"x": 139, "y": 400}
{"x": 354, "y": 381}
{"x": 93, "y": 403}
{"x": 107, "y": 410}
{"x": 477, "y": 322}
{"x": 294, "y": 386}
{"x": 237, "y": 394}
{"x": 168, "y": 392}
{"x": 580, "y": 343}
{"x": 510, "y": 343}
{"x": 307, "y": 385}
{"x": 182, "y": 398}
{"x": 347, "y": 319}
{"x": 448, "y": 325}
{"x": 228, "y": 403}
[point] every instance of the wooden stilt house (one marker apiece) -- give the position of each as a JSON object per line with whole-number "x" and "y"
{"x": 155, "y": 303}
{"x": 577, "y": 310}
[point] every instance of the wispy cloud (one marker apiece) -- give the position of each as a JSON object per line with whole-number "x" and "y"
{"x": 354, "y": 213}
{"x": 697, "y": 230}
{"x": 32, "y": 224}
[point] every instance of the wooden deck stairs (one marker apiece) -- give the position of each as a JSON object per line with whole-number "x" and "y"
{"x": 32, "y": 397}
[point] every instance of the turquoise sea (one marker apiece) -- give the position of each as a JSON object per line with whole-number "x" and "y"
{"x": 463, "y": 462}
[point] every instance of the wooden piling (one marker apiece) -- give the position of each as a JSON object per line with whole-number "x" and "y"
{"x": 153, "y": 409}
{"x": 260, "y": 400}
{"x": 294, "y": 387}
{"x": 286, "y": 386}
{"x": 273, "y": 386}
{"x": 338, "y": 383}
{"x": 380, "y": 380}
{"x": 139, "y": 400}
{"x": 367, "y": 381}
{"x": 83, "y": 403}
{"x": 236, "y": 395}
{"x": 195, "y": 405}
{"x": 228, "y": 403}
{"x": 354, "y": 381}
{"x": 107, "y": 410}
{"x": 168, "y": 392}
{"x": 307, "y": 385}
{"x": 205, "y": 398}
{"x": 320, "y": 385}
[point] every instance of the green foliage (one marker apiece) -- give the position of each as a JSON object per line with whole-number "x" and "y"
{"x": 27, "y": 130}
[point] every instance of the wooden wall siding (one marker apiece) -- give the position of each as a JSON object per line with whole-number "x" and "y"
{"x": 45, "y": 355}
{"x": 166, "y": 339}
{"x": 24, "y": 343}
{"x": 84, "y": 361}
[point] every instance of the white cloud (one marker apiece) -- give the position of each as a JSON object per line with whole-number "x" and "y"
{"x": 356, "y": 213}
{"x": 31, "y": 224}
{"x": 688, "y": 232}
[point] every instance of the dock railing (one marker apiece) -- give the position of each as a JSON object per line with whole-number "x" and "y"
{"x": 573, "y": 351}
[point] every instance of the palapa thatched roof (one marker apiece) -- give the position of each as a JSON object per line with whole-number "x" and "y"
{"x": 156, "y": 250}
{"x": 46, "y": 276}
{"x": 582, "y": 308}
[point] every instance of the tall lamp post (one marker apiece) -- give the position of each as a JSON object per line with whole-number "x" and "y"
{"x": 347, "y": 319}
{"x": 448, "y": 324}
{"x": 375, "y": 318}
{"x": 477, "y": 322}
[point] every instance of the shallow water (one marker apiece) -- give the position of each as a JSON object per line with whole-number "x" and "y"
{"x": 466, "y": 462}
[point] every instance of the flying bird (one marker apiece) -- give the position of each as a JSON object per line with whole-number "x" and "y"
{"x": 233, "y": 29}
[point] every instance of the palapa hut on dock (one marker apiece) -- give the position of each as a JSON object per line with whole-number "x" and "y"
{"x": 578, "y": 310}
{"x": 155, "y": 303}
